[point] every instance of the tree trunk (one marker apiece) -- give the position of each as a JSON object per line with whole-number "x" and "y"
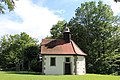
{"x": 29, "y": 66}
{"x": 18, "y": 67}
{"x": 22, "y": 66}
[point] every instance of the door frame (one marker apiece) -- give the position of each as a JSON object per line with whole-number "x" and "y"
{"x": 70, "y": 68}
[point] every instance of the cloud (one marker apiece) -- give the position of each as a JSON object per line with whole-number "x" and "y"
{"x": 35, "y": 20}
{"x": 114, "y": 6}
{"x": 31, "y": 17}
{"x": 60, "y": 12}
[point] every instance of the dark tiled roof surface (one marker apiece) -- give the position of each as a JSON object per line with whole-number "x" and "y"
{"x": 59, "y": 46}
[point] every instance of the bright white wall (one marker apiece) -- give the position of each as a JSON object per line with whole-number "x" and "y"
{"x": 59, "y": 68}
{"x": 81, "y": 69}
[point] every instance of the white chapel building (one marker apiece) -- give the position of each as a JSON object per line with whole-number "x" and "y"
{"x": 62, "y": 56}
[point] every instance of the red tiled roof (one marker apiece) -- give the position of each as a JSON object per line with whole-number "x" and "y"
{"x": 59, "y": 46}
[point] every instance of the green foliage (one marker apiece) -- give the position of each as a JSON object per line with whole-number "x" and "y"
{"x": 57, "y": 30}
{"x": 10, "y": 5}
{"x": 1, "y": 9}
{"x": 31, "y": 55}
{"x": 94, "y": 29}
{"x": 14, "y": 50}
{"x": 97, "y": 32}
{"x": 34, "y": 76}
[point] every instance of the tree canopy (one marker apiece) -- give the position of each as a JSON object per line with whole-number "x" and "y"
{"x": 57, "y": 30}
{"x": 95, "y": 30}
{"x": 18, "y": 52}
{"x": 9, "y": 3}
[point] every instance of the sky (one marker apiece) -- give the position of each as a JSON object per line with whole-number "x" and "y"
{"x": 36, "y": 17}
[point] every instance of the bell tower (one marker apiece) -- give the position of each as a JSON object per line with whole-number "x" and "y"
{"x": 67, "y": 35}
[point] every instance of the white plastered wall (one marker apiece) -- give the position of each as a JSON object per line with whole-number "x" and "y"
{"x": 59, "y": 68}
{"x": 80, "y": 65}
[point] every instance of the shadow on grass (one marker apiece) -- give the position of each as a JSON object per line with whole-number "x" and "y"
{"x": 24, "y": 72}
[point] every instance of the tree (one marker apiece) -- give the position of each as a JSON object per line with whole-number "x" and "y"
{"x": 57, "y": 30}
{"x": 94, "y": 29}
{"x": 0, "y": 54}
{"x": 13, "y": 50}
{"x": 31, "y": 54}
{"x": 10, "y": 5}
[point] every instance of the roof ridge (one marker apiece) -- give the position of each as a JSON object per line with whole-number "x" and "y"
{"x": 73, "y": 46}
{"x": 73, "y": 43}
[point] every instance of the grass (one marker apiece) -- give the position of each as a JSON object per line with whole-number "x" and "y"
{"x": 35, "y": 76}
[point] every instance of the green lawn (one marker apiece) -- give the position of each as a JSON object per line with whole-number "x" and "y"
{"x": 34, "y": 76}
